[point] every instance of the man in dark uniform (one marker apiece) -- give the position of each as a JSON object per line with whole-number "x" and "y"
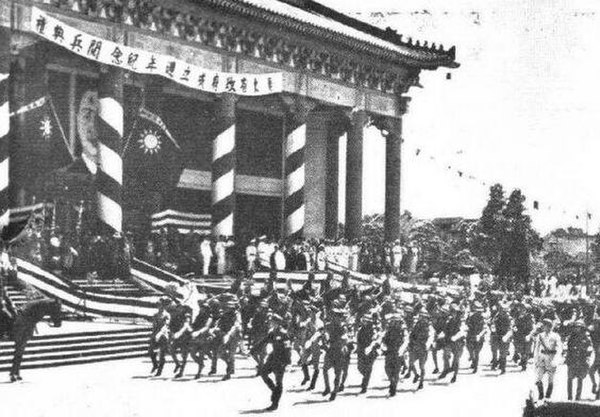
{"x": 522, "y": 339}
{"x": 595, "y": 368}
{"x": 366, "y": 350}
{"x": 453, "y": 342}
{"x": 475, "y": 333}
{"x": 277, "y": 360}
{"x": 579, "y": 351}
{"x": 501, "y": 333}
{"x": 228, "y": 334}
{"x": 393, "y": 340}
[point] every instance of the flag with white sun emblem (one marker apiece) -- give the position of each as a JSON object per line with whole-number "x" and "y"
{"x": 43, "y": 145}
{"x": 152, "y": 156}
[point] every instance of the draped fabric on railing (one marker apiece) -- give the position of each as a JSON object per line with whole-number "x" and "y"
{"x": 22, "y": 214}
{"x": 183, "y": 222}
{"x": 92, "y": 303}
{"x": 155, "y": 277}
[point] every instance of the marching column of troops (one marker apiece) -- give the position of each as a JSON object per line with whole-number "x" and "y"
{"x": 325, "y": 324}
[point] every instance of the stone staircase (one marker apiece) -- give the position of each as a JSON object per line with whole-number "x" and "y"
{"x": 16, "y": 295}
{"x": 116, "y": 287}
{"x": 79, "y": 348}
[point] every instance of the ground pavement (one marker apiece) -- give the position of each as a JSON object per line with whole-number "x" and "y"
{"x": 123, "y": 388}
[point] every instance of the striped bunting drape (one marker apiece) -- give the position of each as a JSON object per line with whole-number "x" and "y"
{"x": 153, "y": 276}
{"x": 184, "y": 222}
{"x": 22, "y": 214}
{"x": 92, "y": 303}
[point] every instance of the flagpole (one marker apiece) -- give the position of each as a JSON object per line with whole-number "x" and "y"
{"x": 62, "y": 132}
{"x": 587, "y": 246}
{"x": 135, "y": 122}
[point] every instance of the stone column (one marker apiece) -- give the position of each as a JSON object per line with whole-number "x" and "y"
{"x": 393, "y": 168}
{"x": 223, "y": 166}
{"x": 110, "y": 144}
{"x": 336, "y": 129}
{"x": 4, "y": 124}
{"x": 298, "y": 109}
{"x": 354, "y": 172}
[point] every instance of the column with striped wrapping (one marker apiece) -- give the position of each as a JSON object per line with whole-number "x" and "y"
{"x": 110, "y": 139}
{"x": 4, "y": 124}
{"x": 223, "y": 166}
{"x": 293, "y": 148}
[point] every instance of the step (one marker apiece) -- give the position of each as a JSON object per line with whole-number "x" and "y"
{"x": 77, "y": 361}
{"x": 79, "y": 348}
{"x": 52, "y": 345}
{"x": 61, "y": 354}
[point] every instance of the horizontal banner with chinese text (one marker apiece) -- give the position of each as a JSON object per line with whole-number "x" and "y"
{"x": 144, "y": 62}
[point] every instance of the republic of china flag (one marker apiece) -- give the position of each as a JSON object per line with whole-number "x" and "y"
{"x": 152, "y": 158}
{"x": 42, "y": 146}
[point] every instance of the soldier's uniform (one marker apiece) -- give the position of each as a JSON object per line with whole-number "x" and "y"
{"x": 578, "y": 358}
{"x": 160, "y": 336}
{"x": 501, "y": 326}
{"x": 277, "y": 360}
{"x": 228, "y": 334}
{"x": 475, "y": 335}
{"x": 547, "y": 352}
{"x": 366, "y": 350}
{"x": 393, "y": 339}
{"x": 453, "y": 343}
{"x": 522, "y": 341}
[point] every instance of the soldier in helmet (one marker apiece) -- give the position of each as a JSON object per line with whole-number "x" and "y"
{"x": 393, "y": 340}
{"x": 579, "y": 357}
{"x": 277, "y": 360}
{"x": 522, "y": 341}
{"x": 366, "y": 345}
{"x": 475, "y": 333}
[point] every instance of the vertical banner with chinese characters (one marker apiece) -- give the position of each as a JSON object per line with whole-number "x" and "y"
{"x": 145, "y": 62}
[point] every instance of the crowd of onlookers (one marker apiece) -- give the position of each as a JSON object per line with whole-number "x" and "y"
{"x": 205, "y": 255}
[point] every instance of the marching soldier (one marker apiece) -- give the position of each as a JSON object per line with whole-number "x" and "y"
{"x": 579, "y": 357}
{"x": 277, "y": 360}
{"x": 393, "y": 340}
{"x": 547, "y": 353}
{"x": 501, "y": 334}
{"x": 160, "y": 336}
{"x": 475, "y": 334}
{"x": 522, "y": 341}
{"x": 367, "y": 346}
{"x": 453, "y": 342}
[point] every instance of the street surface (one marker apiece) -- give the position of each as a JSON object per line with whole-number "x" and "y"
{"x": 123, "y": 388}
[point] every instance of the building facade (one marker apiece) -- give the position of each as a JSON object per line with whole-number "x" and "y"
{"x": 258, "y": 162}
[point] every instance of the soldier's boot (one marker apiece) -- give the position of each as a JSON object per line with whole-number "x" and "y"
{"x": 494, "y": 363}
{"x": 306, "y": 375}
{"x": 313, "y": 381}
{"x": 569, "y": 389}
{"x": 502, "y": 365}
{"x": 549, "y": 390}
{"x": 274, "y": 400}
{"x": 579, "y": 389}
{"x": 540, "y": 388}
{"x": 365, "y": 383}
{"x": 393, "y": 387}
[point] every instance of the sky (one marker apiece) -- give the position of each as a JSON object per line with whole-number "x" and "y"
{"x": 522, "y": 110}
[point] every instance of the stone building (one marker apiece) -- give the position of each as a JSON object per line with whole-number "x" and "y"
{"x": 259, "y": 146}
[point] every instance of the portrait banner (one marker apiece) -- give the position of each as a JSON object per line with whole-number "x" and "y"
{"x": 146, "y": 62}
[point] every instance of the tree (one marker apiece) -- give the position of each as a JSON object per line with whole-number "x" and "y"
{"x": 487, "y": 235}
{"x": 518, "y": 241}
